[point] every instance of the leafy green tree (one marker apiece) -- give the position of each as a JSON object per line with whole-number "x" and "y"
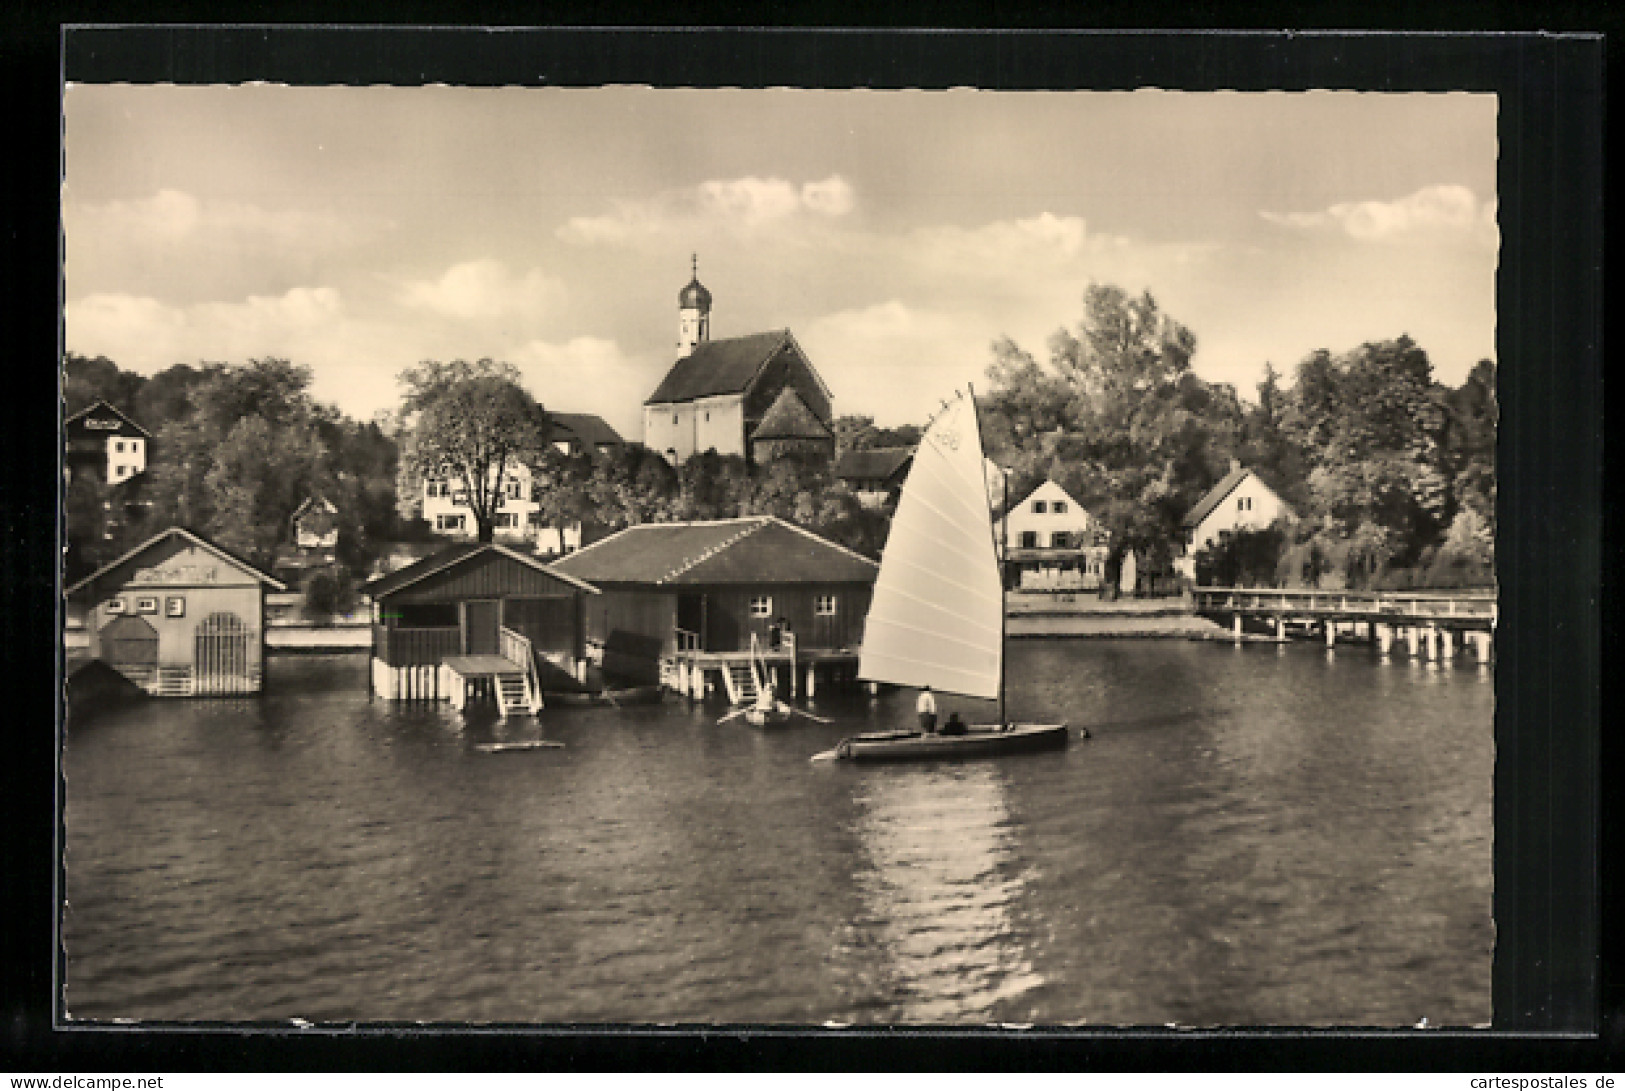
{"x": 260, "y": 476}
{"x": 471, "y": 423}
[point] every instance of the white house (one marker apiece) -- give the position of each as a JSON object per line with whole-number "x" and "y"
{"x": 445, "y": 506}
{"x": 1240, "y": 501}
{"x": 1051, "y": 542}
{"x": 105, "y": 441}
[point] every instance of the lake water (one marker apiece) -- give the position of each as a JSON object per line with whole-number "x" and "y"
{"x": 1253, "y": 835}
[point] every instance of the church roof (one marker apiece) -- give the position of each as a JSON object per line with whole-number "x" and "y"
{"x": 694, "y": 296}
{"x": 790, "y": 418}
{"x": 726, "y": 366}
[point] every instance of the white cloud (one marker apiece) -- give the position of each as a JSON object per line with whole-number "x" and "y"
{"x": 589, "y": 375}
{"x": 737, "y": 205}
{"x": 174, "y": 216}
{"x": 484, "y": 289}
{"x": 1433, "y": 212}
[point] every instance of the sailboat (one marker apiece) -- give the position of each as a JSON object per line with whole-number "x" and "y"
{"x": 937, "y": 615}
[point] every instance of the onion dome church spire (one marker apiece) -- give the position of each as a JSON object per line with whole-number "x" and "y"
{"x": 693, "y": 312}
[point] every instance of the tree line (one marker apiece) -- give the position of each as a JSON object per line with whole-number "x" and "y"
{"x": 1391, "y": 473}
{"x": 236, "y": 450}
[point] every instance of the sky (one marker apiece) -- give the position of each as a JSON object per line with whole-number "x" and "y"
{"x": 896, "y": 234}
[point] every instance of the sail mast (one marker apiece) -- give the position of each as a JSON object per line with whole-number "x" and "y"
{"x": 976, "y": 419}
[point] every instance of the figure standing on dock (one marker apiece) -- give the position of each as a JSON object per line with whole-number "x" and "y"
{"x": 926, "y": 706}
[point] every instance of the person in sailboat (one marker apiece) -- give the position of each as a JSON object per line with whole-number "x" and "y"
{"x": 926, "y": 707}
{"x": 954, "y": 726}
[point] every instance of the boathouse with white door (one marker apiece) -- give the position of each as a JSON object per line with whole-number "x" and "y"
{"x": 476, "y": 620}
{"x": 179, "y": 616}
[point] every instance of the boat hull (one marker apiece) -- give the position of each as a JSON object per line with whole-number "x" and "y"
{"x": 980, "y": 741}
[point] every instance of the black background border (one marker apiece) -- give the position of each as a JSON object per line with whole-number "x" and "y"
{"x": 1556, "y": 1004}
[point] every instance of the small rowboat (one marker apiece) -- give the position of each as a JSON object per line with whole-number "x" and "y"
{"x": 978, "y": 741}
{"x": 634, "y": 695}
{"x": 526, "y": 744}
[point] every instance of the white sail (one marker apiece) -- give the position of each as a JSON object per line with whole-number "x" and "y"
{"x": 937, "y": 618}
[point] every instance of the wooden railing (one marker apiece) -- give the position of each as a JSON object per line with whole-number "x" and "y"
{"x": 1466, "y": 604}
{"x": 516, "y": 647}
{"x": 415, "y": 647}
{"x": 688, "y": 641}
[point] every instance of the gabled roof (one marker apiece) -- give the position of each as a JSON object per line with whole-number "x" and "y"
{"x": 197, "y": 540}
{"x": 591, "y": 430}
{"x": 1217, "y": 494}
{"x": 758, "y": 549}
{"x": 718, "y": 367}
{"x": 875, "y": 463}
{"x": 103, "y": 403}
{"x": 312, "y": 501}
{"x": 1053, "y": 486}
{"x": 790, "y": 418}
{"x": 454, "y": 555}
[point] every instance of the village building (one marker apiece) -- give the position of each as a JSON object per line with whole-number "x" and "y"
{"x": 876, "y": 475}
{"x": 476, "y": 620}
{"x": 718, "y": 393}
{"x": 315, "y": 539}
{"x": 179, "y": 617}
{"x": 1240, "y": 501}
{"x": 578, "y": 434}
{"x": 790, "y": 428}
{"x": 103, "y": 440}
{"x": 445, "y": 505}
{"x": 1052, "y": 543}
{"x": 687, "y": 603}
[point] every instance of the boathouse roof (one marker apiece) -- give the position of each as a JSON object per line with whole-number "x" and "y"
{"x": 758, "y": 549}
{"x": 167, "y": 543}
{"x": 874, "y": 464}
{"x": 725, "y": 366}
{"x": 505, "y": 570}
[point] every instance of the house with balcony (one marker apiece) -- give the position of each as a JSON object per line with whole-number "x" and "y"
{"x": 1051, "y": 543}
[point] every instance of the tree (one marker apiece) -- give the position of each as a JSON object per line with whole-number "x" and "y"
{"x": 473, "y": 424}
{"x": 1116, "y": 417}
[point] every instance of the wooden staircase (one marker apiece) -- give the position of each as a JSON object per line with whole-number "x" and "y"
{"x": 174, "y": 682}
{"x": 741, "y": 683}
{"x": 513, "y": 693}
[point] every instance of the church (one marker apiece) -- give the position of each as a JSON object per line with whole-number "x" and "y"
{"x": 755, "y": 396}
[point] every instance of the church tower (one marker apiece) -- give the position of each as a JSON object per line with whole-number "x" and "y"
{"x": 693, "y": 313}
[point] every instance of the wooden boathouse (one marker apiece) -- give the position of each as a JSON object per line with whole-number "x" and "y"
{"x": 179, "y": 616}
{"x": 682, "y": 603}
{"x": 476, "y": 621}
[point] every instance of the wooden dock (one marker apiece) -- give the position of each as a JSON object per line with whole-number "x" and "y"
{"x": 1422, "y": 622}
{"x": 794, "y": 673}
